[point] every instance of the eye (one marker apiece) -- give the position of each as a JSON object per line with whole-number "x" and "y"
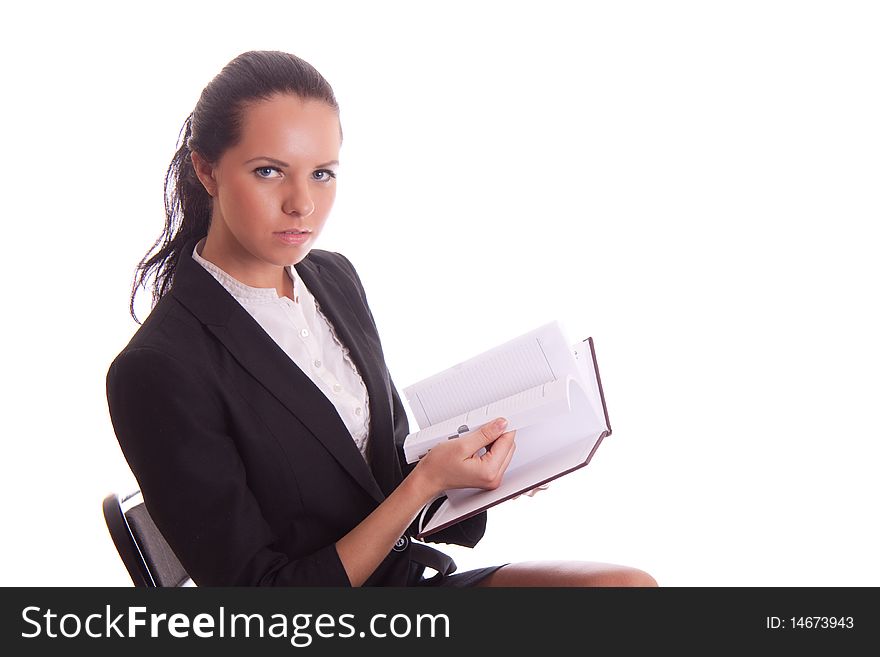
{"x": 324, "y": 175}
{"x": 266, "y": 172}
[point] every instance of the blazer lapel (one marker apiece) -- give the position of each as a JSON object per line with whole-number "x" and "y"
{"x": 365, "y": 350}
{"x": 258, "y": 353}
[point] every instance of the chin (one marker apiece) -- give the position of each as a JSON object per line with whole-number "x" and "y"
{"x": 298, "y": 255}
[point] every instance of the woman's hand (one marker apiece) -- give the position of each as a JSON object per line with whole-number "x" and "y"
{"x": 458, "y": 463}
{"x": 462, "y": 463}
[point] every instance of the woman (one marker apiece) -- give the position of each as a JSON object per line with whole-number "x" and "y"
{"x": 254, "y": 405}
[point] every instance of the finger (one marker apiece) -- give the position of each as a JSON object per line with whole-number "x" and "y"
{"x": 499, "y": 450}
{"x": 502, "y": 440}
{"x": 506, "y": 460}
{"x": 537, "y": 489}
{"x": 486, "y": 434}
{"x": 498, "y": 478}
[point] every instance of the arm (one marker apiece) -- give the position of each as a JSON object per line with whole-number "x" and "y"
{"x": 454, "y": 464}
{"x": 172, "y": 427}
{"x": 173, "y": 430}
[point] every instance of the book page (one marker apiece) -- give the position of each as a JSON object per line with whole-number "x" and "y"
{"x": 532, "y": 359}
{"x": 468, "y": 500}
{"x": 556, "y": 445}
{"x": 544, "y": 452}
{"x": 528, "y": 407}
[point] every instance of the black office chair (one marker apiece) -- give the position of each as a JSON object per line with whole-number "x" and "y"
{"x": 151, "y": 562}
{"x": 144, "y": 551}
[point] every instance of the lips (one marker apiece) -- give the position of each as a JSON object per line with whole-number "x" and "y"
{"x": 293, "y": 237}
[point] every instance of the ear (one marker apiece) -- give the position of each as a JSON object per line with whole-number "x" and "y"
{"x": 205, "y": 173}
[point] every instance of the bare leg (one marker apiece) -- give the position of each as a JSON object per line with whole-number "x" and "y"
{"x": 567, "y": 573}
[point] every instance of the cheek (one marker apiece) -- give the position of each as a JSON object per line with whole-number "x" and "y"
{"x": 328, "y": 196}
{"x": 247, "y": 200}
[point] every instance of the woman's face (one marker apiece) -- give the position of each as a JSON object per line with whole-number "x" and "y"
{"x": 280, "y": 177}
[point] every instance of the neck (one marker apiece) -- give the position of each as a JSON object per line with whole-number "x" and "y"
{"x": 246, "y": 269}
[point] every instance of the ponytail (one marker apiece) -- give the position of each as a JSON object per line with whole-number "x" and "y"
{"x": 187, "y": 217}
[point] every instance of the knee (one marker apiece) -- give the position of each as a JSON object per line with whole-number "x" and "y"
{"x": 636, "y": 577}
{"x": 623, "y": 576}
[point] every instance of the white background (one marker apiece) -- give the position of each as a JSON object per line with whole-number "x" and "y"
{"x": 694, "y": 184}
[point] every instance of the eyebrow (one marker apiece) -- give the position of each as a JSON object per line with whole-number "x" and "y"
{"x": 285, "y": 164}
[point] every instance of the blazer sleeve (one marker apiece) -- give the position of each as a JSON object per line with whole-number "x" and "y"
{"x": 469, "y": 531}
{"x": 173, "y": 431}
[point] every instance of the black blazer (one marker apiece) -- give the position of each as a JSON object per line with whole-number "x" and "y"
{"x": 244, "y": 464}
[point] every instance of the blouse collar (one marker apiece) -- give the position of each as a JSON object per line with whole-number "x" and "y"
{"x": 238, "y": 289}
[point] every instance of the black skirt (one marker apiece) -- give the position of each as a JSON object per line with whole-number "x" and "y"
{"x": 457, "y": 580}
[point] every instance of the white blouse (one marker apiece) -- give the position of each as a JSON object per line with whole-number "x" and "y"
{"x": 308, "y": 338}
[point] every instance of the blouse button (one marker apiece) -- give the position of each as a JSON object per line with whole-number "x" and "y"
{"x": 317, "y": 363}
{"x": 304, "y": 333}
{"x": 337, "y": 387}
{"x": 357, "y": 411}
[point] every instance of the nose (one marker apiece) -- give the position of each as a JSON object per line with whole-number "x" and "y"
{"x": 297, "y": 199}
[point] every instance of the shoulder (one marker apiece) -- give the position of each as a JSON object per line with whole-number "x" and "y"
{"x": 337, "y": 266}
{"x": 166, "y": 328}
{"x": 170, "y": 340}
{"x": 331, "y": 260}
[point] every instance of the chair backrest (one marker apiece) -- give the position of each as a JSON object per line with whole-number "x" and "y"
{"x": 142, "y": 548}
